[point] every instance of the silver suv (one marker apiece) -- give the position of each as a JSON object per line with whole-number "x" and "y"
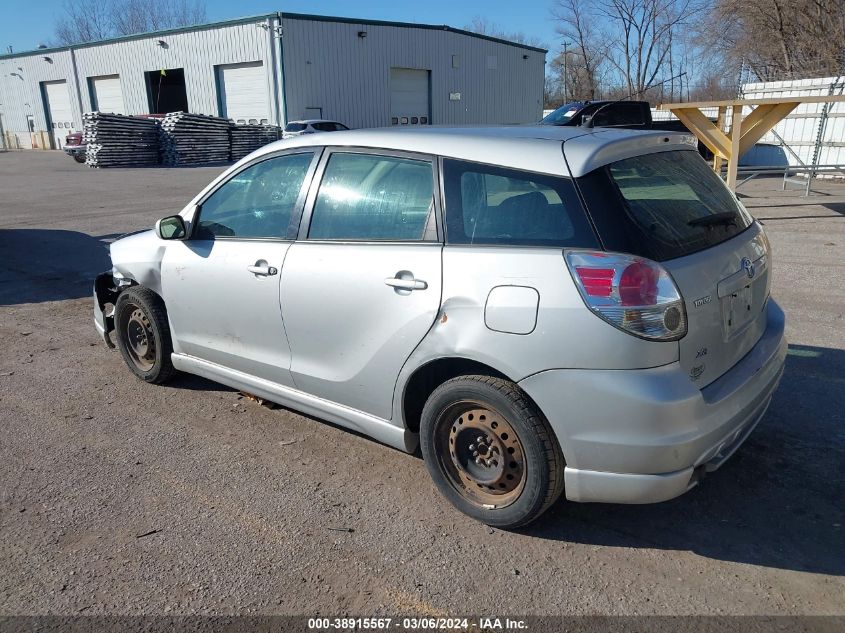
{"x": 542, "y": 310}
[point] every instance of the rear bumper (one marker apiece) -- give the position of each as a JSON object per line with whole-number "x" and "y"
{"x": 643, "y": 436}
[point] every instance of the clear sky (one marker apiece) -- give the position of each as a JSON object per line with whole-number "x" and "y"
{"x": 26, "y": 23}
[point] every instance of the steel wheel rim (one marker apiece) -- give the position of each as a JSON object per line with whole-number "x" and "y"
{"x": 139, "y": 339}
{"x": 481, "y": 455}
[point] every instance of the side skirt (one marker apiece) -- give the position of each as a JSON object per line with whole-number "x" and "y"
{"x": 375, "y": 427}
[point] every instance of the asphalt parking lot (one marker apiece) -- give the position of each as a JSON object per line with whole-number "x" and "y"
{"x": 118, "y": 497}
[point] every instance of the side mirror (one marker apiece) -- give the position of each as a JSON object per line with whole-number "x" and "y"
{"x": 171, "y": 228}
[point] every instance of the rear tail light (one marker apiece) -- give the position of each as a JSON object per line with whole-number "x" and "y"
{"x": 634, "y": 294}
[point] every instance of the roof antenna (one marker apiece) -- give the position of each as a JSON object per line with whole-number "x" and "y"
{"x": 587, "y": 121}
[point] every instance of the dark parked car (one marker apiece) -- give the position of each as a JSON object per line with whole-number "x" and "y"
{"x": 633, "y": 115}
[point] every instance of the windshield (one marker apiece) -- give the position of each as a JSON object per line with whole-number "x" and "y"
{"x": 563, "y": 114}
{"x": 295, "y": 127}
{"x": 672, "y": 204}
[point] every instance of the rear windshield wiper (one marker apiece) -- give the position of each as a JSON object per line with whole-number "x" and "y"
{"x": 727, "y": 218}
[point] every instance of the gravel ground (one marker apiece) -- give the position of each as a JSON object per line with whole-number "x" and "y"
{"x": 117, "y": 497}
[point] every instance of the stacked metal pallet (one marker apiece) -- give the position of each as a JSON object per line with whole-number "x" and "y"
{"x": 194, "y": 139}
{"x": 116, "y": 140}
{"x": 248, "y": 138}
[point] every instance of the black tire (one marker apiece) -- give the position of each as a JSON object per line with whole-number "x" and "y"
{"x": 143, "y": 334}
{"x": 79, "y": 158}
{"x": 449, "y": 412}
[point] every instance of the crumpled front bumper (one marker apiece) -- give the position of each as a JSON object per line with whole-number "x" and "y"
{"x": 104, "y": 294}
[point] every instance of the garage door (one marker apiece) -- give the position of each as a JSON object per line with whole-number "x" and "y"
{"x": 106, "y": 95}
{"x": 243, "y": 92}
{"x": 409, "y": 96}
{"x": 57, "y": 108}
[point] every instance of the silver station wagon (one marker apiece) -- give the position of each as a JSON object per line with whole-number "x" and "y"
{"x": 540, "y": 310}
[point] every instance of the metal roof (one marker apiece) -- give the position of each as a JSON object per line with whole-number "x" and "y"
{"x": 265, "y": 16}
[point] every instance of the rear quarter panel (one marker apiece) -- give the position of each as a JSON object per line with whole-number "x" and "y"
{"x": 566, "y": 334}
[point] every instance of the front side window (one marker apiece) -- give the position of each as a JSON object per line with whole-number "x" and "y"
{"x": 486, "y": 204}
{"x": 370, "y": 197}
{"x": 257, "y": 202}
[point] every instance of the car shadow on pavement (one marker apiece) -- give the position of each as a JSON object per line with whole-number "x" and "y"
{"x": 778, "y": 502}
{"x": 190, "y": 382}
{"x": 39, "y": 265}
{"x": 836, "y": 207}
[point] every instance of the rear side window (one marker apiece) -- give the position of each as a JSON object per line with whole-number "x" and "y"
{"x": 370, "y": 197}
{"x": 486, "y": 204}
{"x": 329, "y": 126}
{"x": 663, "y": 205}
{"x": 624, "y": 113}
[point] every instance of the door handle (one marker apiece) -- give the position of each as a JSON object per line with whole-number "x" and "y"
{"x": 406, "y": 284}
{"x": 265, "y": 270}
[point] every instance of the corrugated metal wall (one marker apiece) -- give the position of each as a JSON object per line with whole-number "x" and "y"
{"x": 327, "y": 65}
{"x": 20, "y": 92}
{"x": 800, "y": 129}
{"x": 197, "y": 51}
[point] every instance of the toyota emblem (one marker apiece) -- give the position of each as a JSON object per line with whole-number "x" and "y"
{"x": 748, "y": 267}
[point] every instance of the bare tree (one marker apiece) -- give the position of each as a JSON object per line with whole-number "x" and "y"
{"x": 584, "y": 51}
{"x": 782, "y": 39}
{"x": 647, "y": 30}
{"x": 83, "y": 21}
{"x": 139, "y": 16}
{"x": 712, "y": 87}
{"x": 483, "y": 26}
{"x": 90, "y": 20}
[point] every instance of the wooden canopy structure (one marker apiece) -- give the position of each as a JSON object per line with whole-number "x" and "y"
{"x": 744, "y": 132}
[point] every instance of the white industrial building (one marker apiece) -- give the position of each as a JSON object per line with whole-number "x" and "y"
{"x": 275, "y": 68}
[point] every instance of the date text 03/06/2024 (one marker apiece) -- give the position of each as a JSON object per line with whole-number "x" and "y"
{"x": 416, "y": 624}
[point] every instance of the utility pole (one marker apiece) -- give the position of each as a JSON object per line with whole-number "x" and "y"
{"x": 565, "y": 71}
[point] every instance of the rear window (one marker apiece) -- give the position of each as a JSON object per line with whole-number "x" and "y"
{"x": 486, "y": 204}
{"x": 329, "y": 126}
{"x": 662, "y": 205}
